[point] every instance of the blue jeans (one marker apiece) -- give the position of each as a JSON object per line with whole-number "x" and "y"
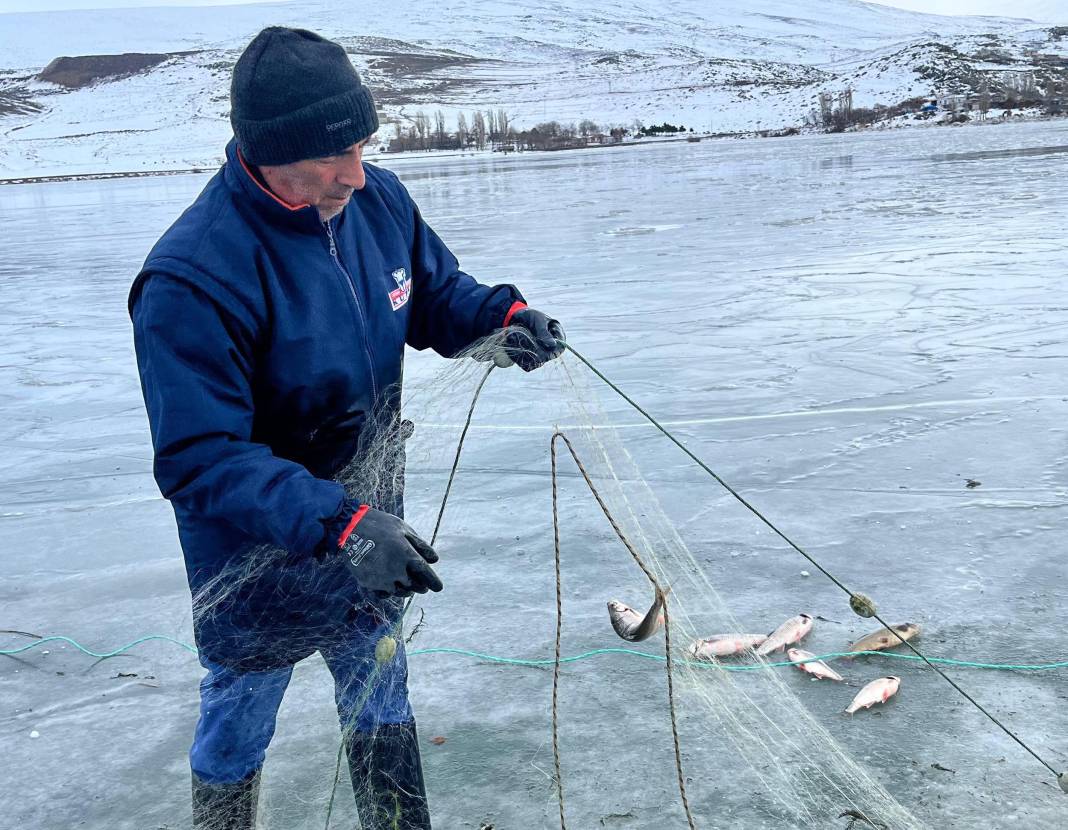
{"x": 238, "y": 709}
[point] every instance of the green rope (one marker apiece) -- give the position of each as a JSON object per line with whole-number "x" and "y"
{"x": 728, "y": 667}
{"x": 586, "y": 655}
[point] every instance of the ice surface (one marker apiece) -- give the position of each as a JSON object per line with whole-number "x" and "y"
{"x": 846, "y": 327}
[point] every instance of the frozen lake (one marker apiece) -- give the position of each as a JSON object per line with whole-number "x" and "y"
{"x": 849, "y": 328}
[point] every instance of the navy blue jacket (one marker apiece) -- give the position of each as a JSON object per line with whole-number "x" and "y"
{"x": 264, "y": 338}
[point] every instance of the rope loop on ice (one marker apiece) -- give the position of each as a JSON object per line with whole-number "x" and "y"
{"x": 661, "y": 595}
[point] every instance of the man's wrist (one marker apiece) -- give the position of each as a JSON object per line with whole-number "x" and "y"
{"x": 518, "y": 305}
{"x": 334, "y": 527}
{"x": 350, "y": 525}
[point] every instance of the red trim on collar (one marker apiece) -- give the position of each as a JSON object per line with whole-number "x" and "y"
{"x": 284, "y": 204}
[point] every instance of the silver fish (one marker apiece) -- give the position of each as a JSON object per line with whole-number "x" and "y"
{"x": 632, "y": 626}
{"x": 878, "y": 691}
{"x": 794, "y": 630}
{"x": 724, "y": 645}
{"x": 817, "y": 668}
{"x": 885, "y": 638}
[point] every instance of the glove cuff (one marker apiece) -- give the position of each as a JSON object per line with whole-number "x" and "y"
{"x": 337, "y": 528}
{"x": 351, "y": 524}
{"x": 516, "y": 306}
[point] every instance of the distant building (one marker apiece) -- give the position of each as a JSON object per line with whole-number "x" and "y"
{"x": 953, "y": 102}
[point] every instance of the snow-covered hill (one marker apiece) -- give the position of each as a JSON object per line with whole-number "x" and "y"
{"x": 724, "y": 66}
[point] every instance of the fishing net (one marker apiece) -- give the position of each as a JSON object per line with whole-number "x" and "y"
{"x": 712, "y": 747}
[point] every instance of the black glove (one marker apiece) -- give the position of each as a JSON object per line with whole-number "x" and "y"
{"x": 386, "y": 556}
{"x": 532, "y": 339}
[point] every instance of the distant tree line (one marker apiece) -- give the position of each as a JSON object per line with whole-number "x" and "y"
{"x": 836, "y": 111}
{"x": 485, "y": 127}
{"x": 658, "y": 129}
{"x": 482, "y": 129}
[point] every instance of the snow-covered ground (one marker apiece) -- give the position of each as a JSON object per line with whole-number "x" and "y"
{"x": 847, "y": 327}
{"x": 733, "y": 65}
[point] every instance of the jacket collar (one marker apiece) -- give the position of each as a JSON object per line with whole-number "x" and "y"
{"x": 240, "y": 177}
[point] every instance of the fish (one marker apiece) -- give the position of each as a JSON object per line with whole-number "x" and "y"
{"x": 723, "y": 645}
{"x": 878, "y": 691}
{"x": 884, "y": 638}
{"x": 817, "y": 668}
{"x": 793, "y": 630}
{"x": 632, "y": 626}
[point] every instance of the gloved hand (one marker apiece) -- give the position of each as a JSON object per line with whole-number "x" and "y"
{"x": 531, "y": 339}
{"x": 386, "y": 556}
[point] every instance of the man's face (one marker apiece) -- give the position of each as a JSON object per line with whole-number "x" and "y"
{"x": 324, "y": 183}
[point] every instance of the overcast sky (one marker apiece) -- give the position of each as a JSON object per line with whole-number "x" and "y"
{"x": 1010, "y": 8}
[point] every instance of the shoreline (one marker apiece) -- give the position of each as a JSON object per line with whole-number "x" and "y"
{"x": 378, "y": 158}
{"x": 416, "y": 156}
{"x": 116, "y": 174}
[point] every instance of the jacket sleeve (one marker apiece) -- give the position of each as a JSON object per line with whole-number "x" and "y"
{"x": 196, "y": 369}
{"x": 450, "y": 309}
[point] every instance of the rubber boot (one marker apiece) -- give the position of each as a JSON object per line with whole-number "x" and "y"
{"x": 387, "y": 778}
{"x": 226, "y": 806}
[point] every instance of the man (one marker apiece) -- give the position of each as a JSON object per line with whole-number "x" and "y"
{"x": 270, "y": 322}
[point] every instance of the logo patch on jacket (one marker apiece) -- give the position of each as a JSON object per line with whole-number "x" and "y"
{"x": 399, "y": 295}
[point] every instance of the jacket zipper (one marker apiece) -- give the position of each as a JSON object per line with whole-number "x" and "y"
{"x": 359, "y": 308}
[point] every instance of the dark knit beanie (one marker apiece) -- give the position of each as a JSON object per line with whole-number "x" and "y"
{"x": 294, "y": 96}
